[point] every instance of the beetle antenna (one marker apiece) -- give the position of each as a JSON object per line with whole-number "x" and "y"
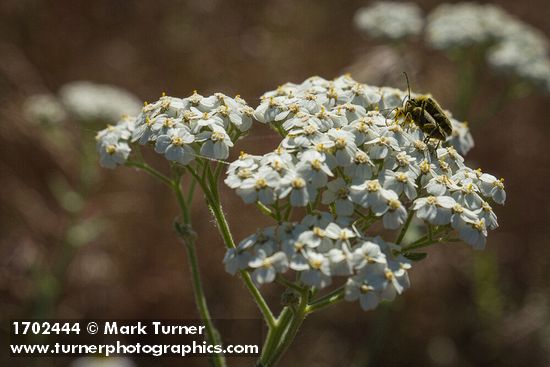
{"x": 408, "y": 84}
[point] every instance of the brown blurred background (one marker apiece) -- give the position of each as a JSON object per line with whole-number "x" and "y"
{"x": 464, "y": 308}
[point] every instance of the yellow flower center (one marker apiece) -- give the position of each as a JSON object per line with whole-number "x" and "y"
{"x": 394, "y": 204}
{"x": 401, "y": 177}
{"x": 217, "y": 136}
{"x": 244, "y": 173}
{"x": 361, "y": 158}
{"x": 373, "y": 186}
{"x": 298, "y": 183}
{"x": 457, "y": 208}
{"x": 315, "y": 264}
{"x": 310, "y": 130}
{"x": 340, "y": 143}
{"x": 110, "y": 149}
{"x": 261, "y": 183}
{"x": 316, "y": 164}
{"x": 479, "y": 225}
{"x": 318, "y": 232}
{"x": 365, "y": 289}
{"x": 425, "y": 167}
{"x": 177, "y": 141}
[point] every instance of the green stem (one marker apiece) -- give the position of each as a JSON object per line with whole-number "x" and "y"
{"x": 333, "y": 297}
{"x": 211, "y": 192}
{"x": 283, "y": 281}
{"x": 150, "y": 170}
{"x": 191, "y": 191}
{"x": 212, "y": 335}
{"x": 405, "y": 228}
{"x": 298, "y": 316}
{"x": 274, "y": 335}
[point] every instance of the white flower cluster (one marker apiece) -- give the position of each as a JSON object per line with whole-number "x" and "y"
{"x": 515, "y": 47}
{"x": 88, "y": 101}
{"x": 460, "y": 25}
{"x": 390, "y": 20}
{"x": 343, "y": 154}
{"x": 44, "y": 109}
{"x": 180, "y": 128}
{"x": 522, "y": 51}
{"x": 113, "y": 143}
{"x": 320, "y": 248}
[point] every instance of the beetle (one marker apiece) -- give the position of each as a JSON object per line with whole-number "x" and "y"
{"x": 427, "y": 114}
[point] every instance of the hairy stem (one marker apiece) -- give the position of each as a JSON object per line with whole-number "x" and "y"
{"x": 210, "y": 191}
{"x": 187, "y": 235}
{"x": 298, "y": 315}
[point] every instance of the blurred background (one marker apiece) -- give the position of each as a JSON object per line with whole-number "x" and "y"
{"x": 78, "y": 241}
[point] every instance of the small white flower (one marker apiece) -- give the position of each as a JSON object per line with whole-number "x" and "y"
{"x": 400, "y": 182}
{"x": 112, "y": 155}
{"x": 434, "y": 209}
{"x": 474, "y": 233}
{"x": 360, "y": 288}
{"x": 217, "y": 143}
{"x": 396, "y": 213}
{"x": 462, "y": 216}
{"x": 367, "y": 253}
{"x": 493, "y": 188}
{"x": 175, "y": 146}
{"x": 338, "y": 193}
{"x": 488, "y": 215}
{"x": 371, "y": 195}
{"x": 441, "y": 185}
{"x": 380, "y": 147}
{"x": 313, "y": 168}
{"x": 344, "y": 143}
{"x": 361, "y": 168}
{"x": 296, "y": 186}
{"x": 267, "y": 267}
{"x": 318, "y": 275}
{"x": 259, "y": 186}
{"x": 235, "y": 259}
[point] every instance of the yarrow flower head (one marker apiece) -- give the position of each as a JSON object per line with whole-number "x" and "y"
{"x": 181, "y": 129}
{"x": 390, "y": 20}
{"x": 350, "y": 158}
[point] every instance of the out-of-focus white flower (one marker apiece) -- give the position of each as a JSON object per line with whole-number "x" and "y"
{"x": 513, "y": 47}
{"x": 458, "y": 25}
{"x": 390, "y": 20}
{"x": 89, "y": 101}
{"x": 44, "y": 109}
